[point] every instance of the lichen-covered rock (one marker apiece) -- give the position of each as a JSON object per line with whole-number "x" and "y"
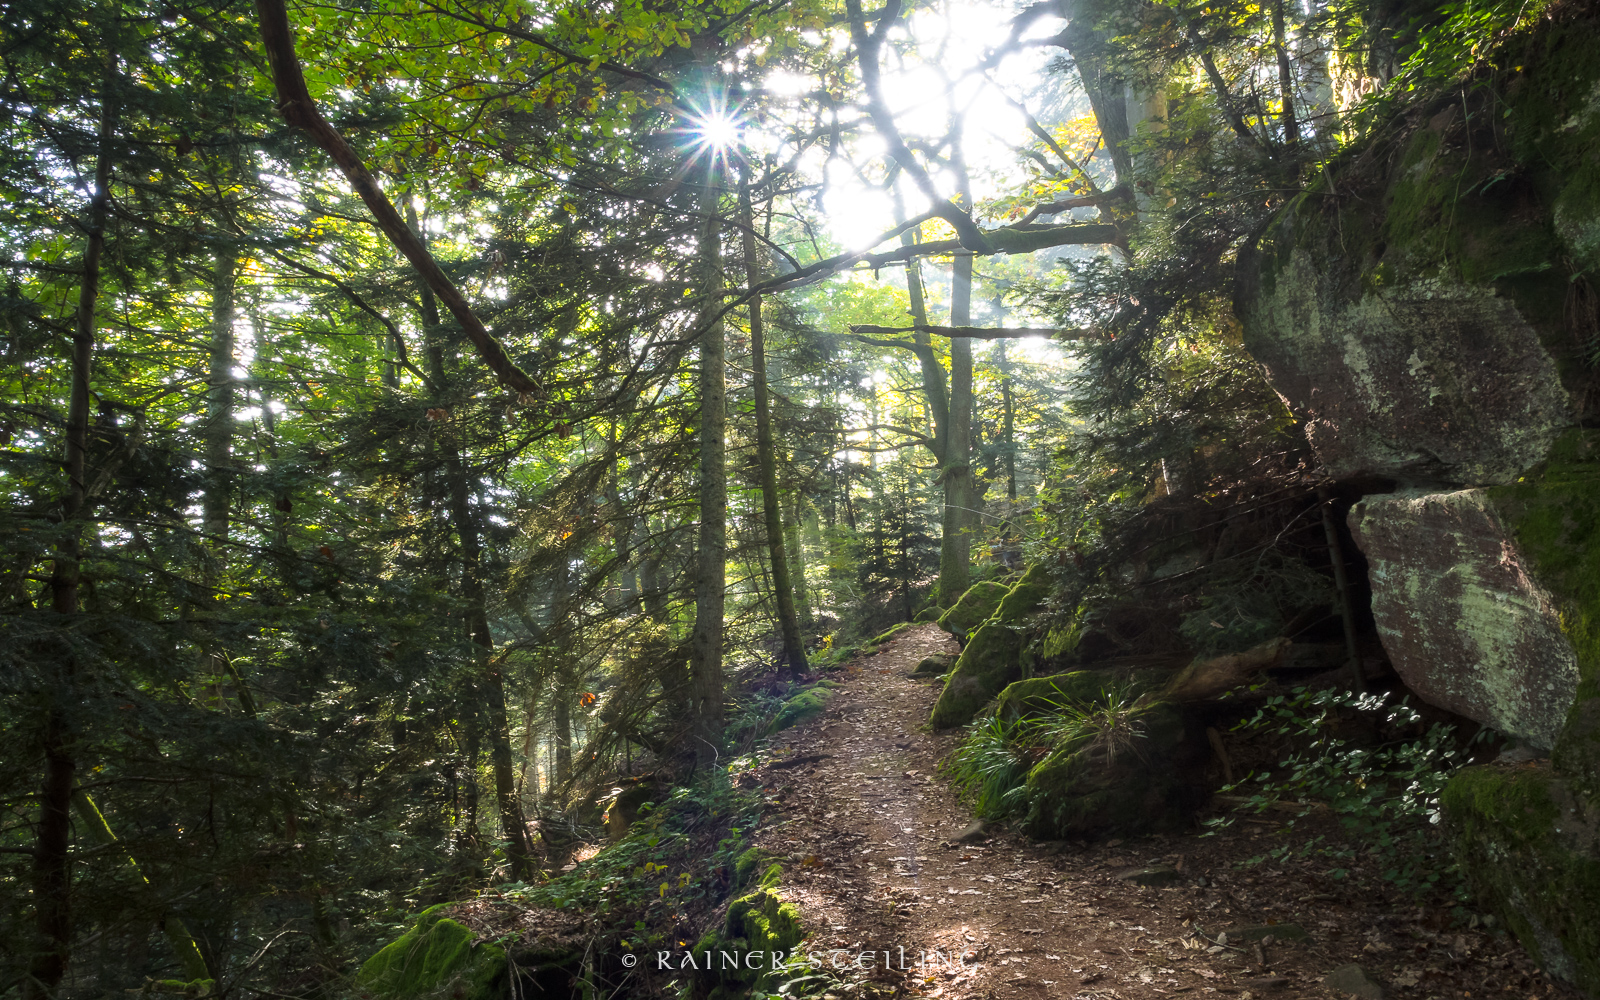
{"x": 992, "y": 660}
{"x": 1026, "y": 596}
{"x": 974, "y": 608}
{"x": 1414, "y": 305}
{"x": 1465, "y": 624}
{"x": 436, "y": 957}
{"x": 1095, "y": 786}
{"x": 1529, "y": 842}
{"x": 1427, "y": 380}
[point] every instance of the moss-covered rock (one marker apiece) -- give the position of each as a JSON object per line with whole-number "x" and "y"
{"x": 1529, "y": 842}
{"x": 1554, "y": 516}
{"x": 743, "y": 956}
{"x": 992, "y": 660}
{"x": 1026, "y": 596}
{"x": 435, "y": 958}
{"x": 1043, "y": 695}
{"x": 807, "y": 704}
{"x": 932, "y": 614}
{"x": 974, "y": 608}
{"x": 1416, "y": 312}
{"x": 934, "y": 665}
{"x": 1096, "y": 786}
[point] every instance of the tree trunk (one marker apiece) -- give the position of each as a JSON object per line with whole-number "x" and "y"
{"x": 219, "y": 398}
{"x": 52, "y": 887}
{"x": 794, "y": 650}
{"x": 955, "y": 548}
{"x": 795, "y": 549}
{"x": 711, "y": 553}
{"x": 1008, "y": 427}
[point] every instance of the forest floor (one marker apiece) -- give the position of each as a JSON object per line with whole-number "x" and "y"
{"x": 870, "y": 825}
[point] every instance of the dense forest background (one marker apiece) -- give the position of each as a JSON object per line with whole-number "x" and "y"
{"x": 421, "y": 421}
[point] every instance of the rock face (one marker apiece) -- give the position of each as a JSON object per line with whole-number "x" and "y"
{"x": 1425, "y": 309}
{"x": 1094, "y": 786}
{"x": 1425, "y": 382}
{"x": 991, "y": 661}
{"x": 1461, "y": 617}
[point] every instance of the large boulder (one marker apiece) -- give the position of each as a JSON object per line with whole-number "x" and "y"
{"x": 1462, "y": 618}
{"x": 991, "y": 660}
{"x": 1119, "y": 777}
{"x": 1424, "y": 309}
{"x": 974, "y": 608}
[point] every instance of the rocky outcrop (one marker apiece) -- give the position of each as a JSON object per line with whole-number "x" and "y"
{"x": 1428, "y": 309}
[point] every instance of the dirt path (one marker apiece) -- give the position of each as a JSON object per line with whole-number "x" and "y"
{"x": 868, "y": 823}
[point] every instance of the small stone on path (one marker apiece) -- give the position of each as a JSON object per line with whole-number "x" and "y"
{"x": 1353, "y": 979}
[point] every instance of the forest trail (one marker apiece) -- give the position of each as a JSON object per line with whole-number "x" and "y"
{"x": 870, "y": 828}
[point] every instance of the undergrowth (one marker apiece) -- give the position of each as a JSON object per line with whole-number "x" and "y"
{"x": 990, "y": 767}
{"x": 1386, "y": 797}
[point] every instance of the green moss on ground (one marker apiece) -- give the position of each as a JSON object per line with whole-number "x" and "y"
{"x": 974, "y": 608}
{"x": 890, "y": 634}
{"x": 1529, "y": 843}
{"x": 991, "y": 661}
{"x": 1085, "y": 788}
{"x": 435, "y": 958}
{"x": 807, "y": 704}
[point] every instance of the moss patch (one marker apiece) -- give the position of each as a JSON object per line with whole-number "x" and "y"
{"x": 1530, "y": 845}
{"x": 976, "y": 606}
{"x": 991, "y": 661}
{"x": 1554, "y": 513}
{"x": 435, "y": 958}
{"x": 890, "y": 634}
{"x": 760, "y": 924}
{"x": 1042, "y": 695}
{"x": 808, "y": 704}
{"x": 1026, "y": 597}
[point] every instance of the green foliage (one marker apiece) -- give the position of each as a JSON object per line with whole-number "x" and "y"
{"x": 1245, "y": 607}
{"x": 1386, "y": 796}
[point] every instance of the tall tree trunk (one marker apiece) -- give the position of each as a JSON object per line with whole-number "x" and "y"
{"x": 955, "y": 548}
{"x": 1291, "y": 122}
{"x": 796, "y": 551}
{"x": 219, "y": 398}
{"x": 794, "y": 650}
{"x": 1008, "y": 427}
{"x": 52, "y": 888}
{"x": 711, "y": 554}
{"x": 492, "y": 692}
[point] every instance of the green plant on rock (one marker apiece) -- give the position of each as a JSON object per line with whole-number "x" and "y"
{"x": 1385, "y": 796}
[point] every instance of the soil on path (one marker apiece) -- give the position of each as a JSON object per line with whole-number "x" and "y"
{"x": 869, "y": 828}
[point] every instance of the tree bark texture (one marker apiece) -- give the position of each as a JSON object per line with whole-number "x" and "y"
{"x": 955, "y": 546}
{"x": 52, "y": 883}
{"x": 711, "y": 553}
